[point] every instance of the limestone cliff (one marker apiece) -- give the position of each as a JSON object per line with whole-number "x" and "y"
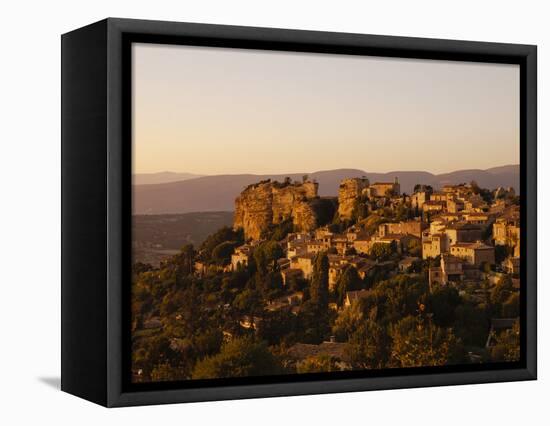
{"x": 266, "y": 203}
{"x": 350, "y": 190}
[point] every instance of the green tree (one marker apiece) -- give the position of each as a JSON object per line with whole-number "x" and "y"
{"x": 266, "y": 255}
{"x": 241, "y": 357}
{"x": 349, "y": 280}
{"x": 221, "y": 254}
{"x": 442, "y": 302}
{"x": 319, "y": 282}
{"x": 222, "y": 235}
{"x": 381, "y": 251}
{"x": 318, "y": 364}
{"x": 507, "y": 346}
{"x": 369, "y": 346}
{"x": 416, "y": 342}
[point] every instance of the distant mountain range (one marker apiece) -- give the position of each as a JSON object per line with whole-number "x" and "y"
{"x": 162, "y": 177}
{"x": 218, "y": 193}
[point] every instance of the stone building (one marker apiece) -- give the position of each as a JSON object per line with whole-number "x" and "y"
{"x": 434, "y": 245}
{"x": 241, "y": 256}
{"x": 506, "y": 231}
{"x": 450, "y": 270}
{"x": 384, "y": 189}
{"x": 419, "y": 198}
{"x": 461, "y": 232}
{"x": 305, "y": 263}
{"x": 474, "y": 253}
{"x": 410, "y": 227}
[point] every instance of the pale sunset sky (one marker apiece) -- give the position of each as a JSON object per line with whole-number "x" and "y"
{"x": 229, "y": 111}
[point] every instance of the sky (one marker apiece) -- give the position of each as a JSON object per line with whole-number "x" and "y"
{"x": 213, "y": 111}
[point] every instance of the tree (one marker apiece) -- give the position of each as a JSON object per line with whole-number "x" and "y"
{"x": 266, "y": 255}
{"x": 241, "y": 357}
{"x": 248, "y": 301}
{"x": 369, "y": 346}
{"x": 507, "y": 346}
{"x": 317, "y": 364}
{"x": 183, "y": 261}
{"x": 500, "y": 293}
{"x": 223, "y": 234}
{"x": 347, "y": 321}
{"x": 221, "y": 254}
{"x": 319, "y": 282}
{"x": 416, "y": 342}
{"x": 442, "y": 302}
{"x": 381, "y": 251}
{"x": 349, "y": 280}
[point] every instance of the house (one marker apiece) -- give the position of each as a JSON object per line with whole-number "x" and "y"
{"x": 410, "y": 227}
{"x": 200, "y": 268}
{"x": 450, "y": 270}
{"x": 506, "y": 231}
{"x": 303, "y": 262}
{"x": 440, "y": 197}
{"x": 463, "y": 232}
{"x": 362, "y": 245}
{"x": 434, "y": 246}
{"x": 477, "y": 218}
{"x": 511, "y": 265}
{"x": 316, "y": 246}
{"x": 295, "y": 249}
{"x": 455, "y": 205}
{"x": 383, "y": 189}
{"x": 474, "y": 253}
{"x": 406, "y": 263}
{"x": 419, "y": 198}
{"x": 241, "y": 256}
{"x": 341, "y": 243}
{"x": 434, "y": 206}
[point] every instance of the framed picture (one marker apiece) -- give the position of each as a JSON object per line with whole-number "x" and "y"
{"x": 254, "y": 212}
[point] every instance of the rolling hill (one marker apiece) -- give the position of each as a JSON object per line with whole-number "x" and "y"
{"x": 218, "y": 193}
{"x": 161, "y": 177}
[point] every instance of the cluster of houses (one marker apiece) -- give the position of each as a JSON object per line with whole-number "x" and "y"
{"x": 455, "y": 225}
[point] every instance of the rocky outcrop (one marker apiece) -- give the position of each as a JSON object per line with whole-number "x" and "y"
{"x": 348, "y": 194}
{"x": 268, "y": 203}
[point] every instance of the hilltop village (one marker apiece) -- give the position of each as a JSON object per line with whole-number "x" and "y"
{"x": 373, "y": 278}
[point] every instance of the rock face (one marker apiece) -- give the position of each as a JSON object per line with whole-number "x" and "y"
{"x": 265, "y": 203}
{"x": 350, "y": 190}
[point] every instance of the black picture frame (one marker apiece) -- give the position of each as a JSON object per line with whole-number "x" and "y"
{"x": 96, "y": 209}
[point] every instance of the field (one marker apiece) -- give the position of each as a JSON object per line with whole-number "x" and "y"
{"x": 157, "y": 237}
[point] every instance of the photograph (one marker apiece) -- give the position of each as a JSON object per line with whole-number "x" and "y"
{"x": 298, "y": 212}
